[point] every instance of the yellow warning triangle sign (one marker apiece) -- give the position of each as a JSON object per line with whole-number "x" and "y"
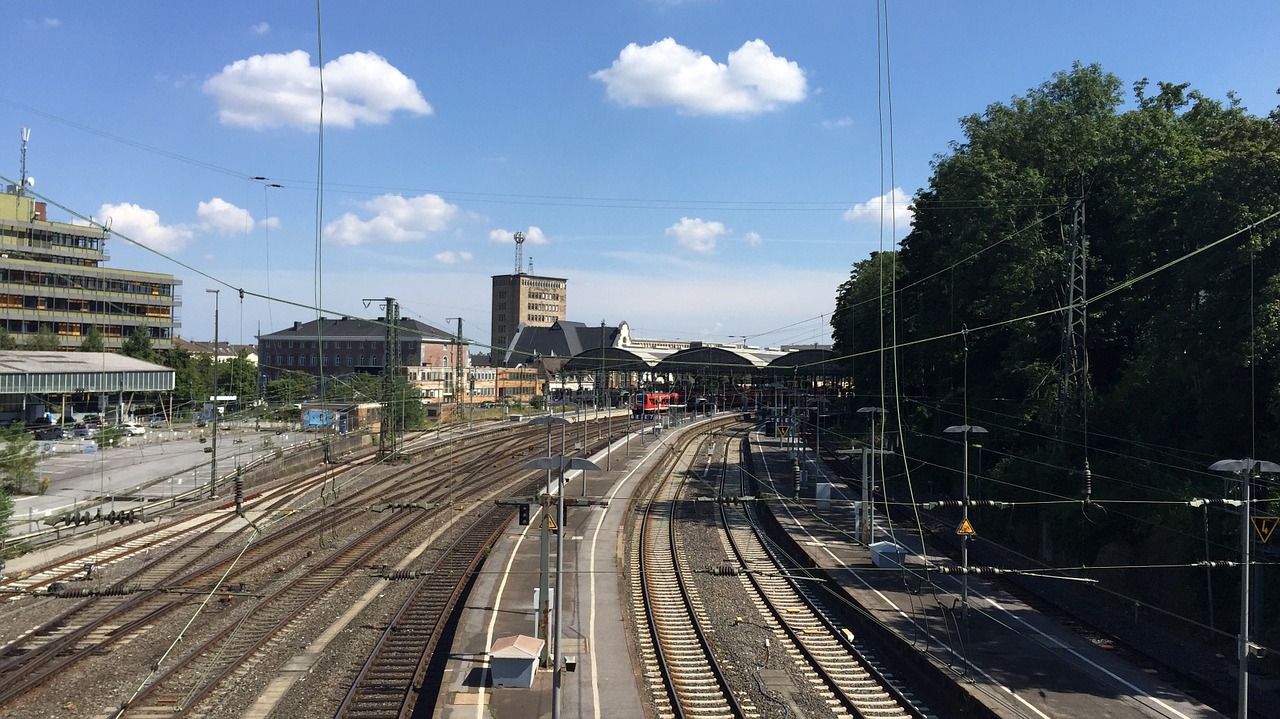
{"x": 551, "y": 524}
{"x": 782, "y": 430}
{"x": 965, "y": 529}
{"x": 1264, "y": 526}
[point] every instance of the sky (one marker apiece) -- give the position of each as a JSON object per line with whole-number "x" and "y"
{"x": 701, "y": 169}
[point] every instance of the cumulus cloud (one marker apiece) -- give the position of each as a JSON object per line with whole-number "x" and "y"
{"x": 396, "y": 219}
{"x": 261, "y": 28}
{"x": 696, "y": 235}
{"x": 753, "y": 239}
{"x": 752, "y": 81}
{"x": 218, "y": 215}
{"x": 144, "y": 226}
{"x": 284, "y": 90}
{"x": 450, "y": 257}
{"x": 893, "y": 206}
{"x": 532, "y": 236}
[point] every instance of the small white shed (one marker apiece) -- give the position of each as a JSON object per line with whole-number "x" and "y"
{"x": 513, "y": 661}
{"x": 887, "y": 555}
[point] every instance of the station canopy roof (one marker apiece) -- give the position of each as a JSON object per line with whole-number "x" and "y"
{"x": 23, "y": 372}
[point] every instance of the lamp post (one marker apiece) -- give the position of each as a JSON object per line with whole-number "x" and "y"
{"x": 562, "y": 462}
{"x": 213, "y": 464}
{"x": 544, "y": 562}
{"x": 965, "y": 429}
{"x": 1245, "y": 469}
{"x": 868, "y": 476}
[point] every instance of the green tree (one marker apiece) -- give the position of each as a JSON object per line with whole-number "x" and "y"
{"x": 93, "y": 341}
{"x": 138, "y": 346}
{"x": 1183, "y": 314}
{"x": 238, "y": 376}
{"x": 18, "y": 454}
{"x": 6, "y": 512}
{"x": 43, "y": 341}
{"x": 291, "y": 387}
{"x": 189, "y": 380}
{"x": 7, "y": 340}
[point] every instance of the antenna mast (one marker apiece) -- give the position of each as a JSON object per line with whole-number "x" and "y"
{"x": 519, "y": 237}
{"x": 22, "y": 175}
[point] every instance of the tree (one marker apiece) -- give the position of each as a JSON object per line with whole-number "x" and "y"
{"x": 190, "y": 382}
{"x": 1183, "y": 311}
{"x": 93, "y": 341}
{"x": 291, "y": 387}
{"x": 138, "y": 346}
{"x": 238, "y": 376}
{"x": 7, "y": 340}
{"x": 18, "y": 454}
{"x": 43, "y": 341}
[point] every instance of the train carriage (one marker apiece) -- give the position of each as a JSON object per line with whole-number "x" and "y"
{"x": 648, "y": 405}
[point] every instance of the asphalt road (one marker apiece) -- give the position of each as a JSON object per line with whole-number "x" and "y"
{"x": 175, "y": 461}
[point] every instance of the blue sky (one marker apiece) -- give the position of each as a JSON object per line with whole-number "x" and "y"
{"x": 671, "y": 159}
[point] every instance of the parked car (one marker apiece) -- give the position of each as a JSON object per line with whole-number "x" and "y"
{"x": 80, "y": 431}
{"x": 133, "y": 430}
{"x": 44, "y": 434}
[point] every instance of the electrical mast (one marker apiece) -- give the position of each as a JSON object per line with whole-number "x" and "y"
{"x": 392, "y": 410}
{"x": 1074, "y": 397}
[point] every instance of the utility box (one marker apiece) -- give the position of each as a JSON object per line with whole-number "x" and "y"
{"x": 887, "y": 555}
{"x": 513, "y": 661}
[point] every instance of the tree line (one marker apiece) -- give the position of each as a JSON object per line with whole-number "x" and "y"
{"x": 1176, "y": 194}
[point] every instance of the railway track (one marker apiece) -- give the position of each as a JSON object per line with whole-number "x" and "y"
{"x": 677, "y": 647}
{"x": 117, "y": 614}
{"x": 856, "y": 683}
{"x": 398, "y": 670}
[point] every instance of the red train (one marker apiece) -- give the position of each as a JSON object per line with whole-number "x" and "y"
{"x": 645, "y": 405}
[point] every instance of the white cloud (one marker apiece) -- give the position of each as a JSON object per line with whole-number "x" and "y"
{"x": 896, "y": 207}
{"x": 843, "y": 122}
{"x": 696, "y": 235}
{"x": 532, "y": 236}
{"x": 452, "y": 258}
{"x": 754, "y": 80}
{"x": 396, "y": 219}
{"x": 144, "y": 226}
{"x": 261, "y": 28}
{"x": 52, "y": 22}
{"x": 284, "y": 90}
{"x": 218, "y": 215}
{"x": 753, "y": 239}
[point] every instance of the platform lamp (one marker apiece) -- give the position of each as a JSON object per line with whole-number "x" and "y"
{"x": 562, "y": 463}
{"x": 213, "y": 463}
{"x": 966, "y": 430}
{"x": 1246, "y": 470}
{"x": 868, "y": 476}
{"x": 544, "y": 562}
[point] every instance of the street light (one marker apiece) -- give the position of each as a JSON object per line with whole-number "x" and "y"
{"x": 965, "y": 429}
{"x": 1245, "y": 469}
{"x": 213, "y": 464}
{"x": 545, "y": 560}
{"x": 562, "y": 462}
{"x": 868, "y": 476}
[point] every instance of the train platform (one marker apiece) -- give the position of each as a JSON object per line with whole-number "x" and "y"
{"x": 594, "y": 634}
{"x": 1007, "y": 656}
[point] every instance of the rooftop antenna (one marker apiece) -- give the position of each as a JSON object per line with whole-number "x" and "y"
{"x": 23, "y": 180}
{"x": 519, "y": 237}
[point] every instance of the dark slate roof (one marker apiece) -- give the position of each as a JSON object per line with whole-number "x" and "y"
{"x": 562, "y": 339}
{"x": 352, "y": 328}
